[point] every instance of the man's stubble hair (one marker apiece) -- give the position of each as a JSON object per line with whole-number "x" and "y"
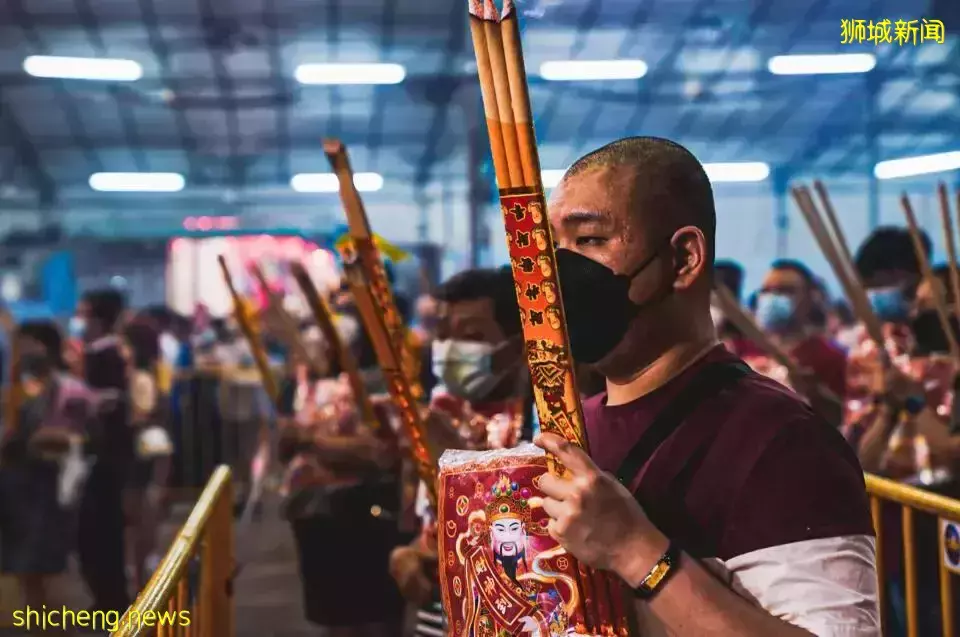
{"x": 670, "y": 187}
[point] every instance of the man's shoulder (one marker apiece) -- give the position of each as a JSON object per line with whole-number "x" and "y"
{"x": 797, "y": 478}
{"x": 779, "y": 421}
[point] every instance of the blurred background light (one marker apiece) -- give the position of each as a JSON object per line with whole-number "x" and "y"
{"x": 822, "y": 64}
{"x": 920, "y": 165}
{"x": 592, "y": 70}
{"x": 70, "y": 68}
{"x": 737, "y": 171}
{"x": 137, "y": 182}
{"x": 350, "y": 73}
{"x": 328, "y": 182}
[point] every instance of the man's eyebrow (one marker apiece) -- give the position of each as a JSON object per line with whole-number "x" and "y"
{"x": 578, "y": 217}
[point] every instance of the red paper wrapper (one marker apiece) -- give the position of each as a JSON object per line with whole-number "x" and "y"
{"x": 500, "y": 571}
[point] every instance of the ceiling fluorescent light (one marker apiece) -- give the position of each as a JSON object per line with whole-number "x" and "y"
{"x": 920, "y": 165}
{"x": 590, "y": 70}
{"x": 725, "y": 172}
{"x": 822, "y": 64}
{"x": 137, "y": 182}
{"x": 350, "y": 73}
{"x": 83, "y": 68}
{"x": 551, "y": 178}
{"x": 328, "y": 182}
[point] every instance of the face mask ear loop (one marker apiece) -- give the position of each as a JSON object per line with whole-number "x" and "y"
{"x": 644, "y": 264}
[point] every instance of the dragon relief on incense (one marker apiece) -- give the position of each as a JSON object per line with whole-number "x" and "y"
{"x": 501, "y": 572}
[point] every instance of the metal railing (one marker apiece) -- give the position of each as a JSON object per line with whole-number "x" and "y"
{"x": 913, "y": 500}
{"x": 191, "y": 590}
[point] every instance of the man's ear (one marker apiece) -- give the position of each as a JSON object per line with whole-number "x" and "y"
{"x": 691, "y": 258}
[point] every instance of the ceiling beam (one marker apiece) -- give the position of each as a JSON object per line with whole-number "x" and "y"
{"x": 25, "y": 152}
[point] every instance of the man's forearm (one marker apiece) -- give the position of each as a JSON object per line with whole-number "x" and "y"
{"x": 695, "y": 602}
{"x": 874, "y": 443}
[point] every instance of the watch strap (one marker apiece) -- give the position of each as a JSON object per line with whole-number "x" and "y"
{"x": 660, "y": 573}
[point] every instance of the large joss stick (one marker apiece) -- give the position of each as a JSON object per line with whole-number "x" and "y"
{"x": 506, "y": 102}
{"x": 363, "y": 247}
{"x": 928, "y": 276}
{"x": 335, "y": 346}
{"x": 368, "y": 283}
{"x": 288, "y": 327}
{"x": 250, "y": 333}
{"x": 834, "y": 249}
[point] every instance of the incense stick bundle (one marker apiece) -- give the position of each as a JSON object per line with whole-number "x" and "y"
{"x": 288, "y": 327}
{"x": 928, "y": 276}
{"x": 950, "y": 243}
{"x": 368, "y": 283}
{"x": 506, "y": 101}
{"x": 250, "y": 333}
{"x": 840, "y": 262}
{"x": 369, "y": 259}
{"x": 336, "y": 347}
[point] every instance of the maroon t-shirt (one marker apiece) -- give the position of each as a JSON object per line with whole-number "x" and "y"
{"x": 750, "y": 468}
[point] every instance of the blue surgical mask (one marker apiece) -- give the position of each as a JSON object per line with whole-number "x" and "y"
{"x": 775, "y": 312}
{"x": 889, "y": 304}
{"x": 465, "y": 368}
{"x": 77, "y": 327}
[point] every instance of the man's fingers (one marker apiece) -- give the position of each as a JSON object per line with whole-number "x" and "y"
{"x": 552, "y": 507}
{"x": 570, "y": 455}
{"x": 556, "y": 487}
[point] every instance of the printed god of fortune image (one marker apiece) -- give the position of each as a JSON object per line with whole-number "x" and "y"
{"x": 521, "y": 591}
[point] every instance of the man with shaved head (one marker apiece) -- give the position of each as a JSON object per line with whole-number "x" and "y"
{"x": 730, "y": 506}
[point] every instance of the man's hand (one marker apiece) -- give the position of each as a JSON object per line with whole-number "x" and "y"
{"x": 591, "y": 514}
{"x": 408, "y": 566}
{"x": 442, "y": 430}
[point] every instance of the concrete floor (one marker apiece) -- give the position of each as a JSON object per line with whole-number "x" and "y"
{"x": 267, "y": 594}
{"x": 267, "y": 590}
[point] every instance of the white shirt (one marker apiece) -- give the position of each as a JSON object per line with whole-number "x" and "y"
{"x": 826, "y": 586}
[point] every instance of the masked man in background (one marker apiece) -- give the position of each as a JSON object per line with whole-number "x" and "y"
{"x": 483, "y": 393}
{"x": 786, "y": 307}
{"x": 915, "y": 389}
{"x": 897, "y": 416}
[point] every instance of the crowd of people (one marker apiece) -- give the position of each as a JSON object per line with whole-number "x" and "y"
{"x": 774, "y": 494}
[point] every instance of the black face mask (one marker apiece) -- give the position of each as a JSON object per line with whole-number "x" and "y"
{"x": 596, "y": 301}
{"x": 928, "y": 333}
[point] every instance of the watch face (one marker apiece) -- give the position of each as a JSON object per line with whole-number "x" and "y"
{"x": 915, "y": 404}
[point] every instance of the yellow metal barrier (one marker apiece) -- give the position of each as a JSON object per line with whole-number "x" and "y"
{"x": 911, "y": 500}
{"x": 205, "y": 539}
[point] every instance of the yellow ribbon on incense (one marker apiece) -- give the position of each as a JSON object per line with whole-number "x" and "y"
{"x": 387, "y": 249}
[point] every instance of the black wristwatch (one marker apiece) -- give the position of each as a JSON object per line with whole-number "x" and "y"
{"x": 913, "y": 405}
{"x": 668, "y": 563}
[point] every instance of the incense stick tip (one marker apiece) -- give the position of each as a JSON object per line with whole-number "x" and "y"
{"x": 332, "y": 146}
